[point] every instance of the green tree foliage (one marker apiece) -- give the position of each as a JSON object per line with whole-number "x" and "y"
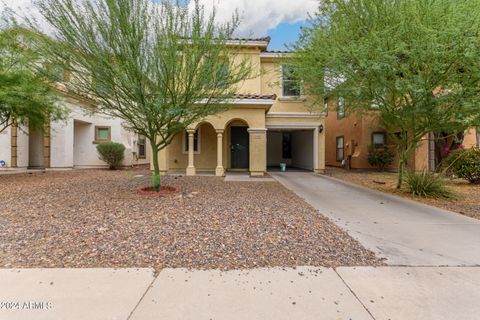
{"x": 416, "y": 62}
{"x": 27, "y": 92}
{"x": 156, "y": 65}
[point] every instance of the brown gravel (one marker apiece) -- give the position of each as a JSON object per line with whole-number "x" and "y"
{"x": 97, "y": 219}
{"x": 466, "y": 203}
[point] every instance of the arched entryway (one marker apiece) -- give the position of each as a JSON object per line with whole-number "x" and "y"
{"x": 238, "y": 145}
{"x": 205, "y": 147}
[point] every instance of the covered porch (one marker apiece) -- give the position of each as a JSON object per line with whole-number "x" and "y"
{"x": 234, "y": 140}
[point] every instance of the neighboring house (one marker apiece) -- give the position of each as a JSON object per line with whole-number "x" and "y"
{"x": 348, "y": 136}
{"x": 70, "y": 143}
{"x": 268, "y": 123}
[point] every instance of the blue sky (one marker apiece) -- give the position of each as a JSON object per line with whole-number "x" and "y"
{"x": 284, "y": 34}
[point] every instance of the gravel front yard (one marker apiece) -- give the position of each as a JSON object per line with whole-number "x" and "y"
{"x": 96, "y": 218}
{"x": 467, "y": 202}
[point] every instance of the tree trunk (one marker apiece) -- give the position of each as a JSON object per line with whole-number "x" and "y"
{"x": 403, "y": 162}
{"x": 401, "y": 172}
{"x": 156, "y": 168}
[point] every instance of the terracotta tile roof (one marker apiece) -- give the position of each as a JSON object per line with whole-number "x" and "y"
{"x": 278, "y": 51}
{"x": 266, "y": 39}
{"x": 256, "y": 96}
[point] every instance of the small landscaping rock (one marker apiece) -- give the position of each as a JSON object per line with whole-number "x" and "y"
{"x": 97, "y": 218}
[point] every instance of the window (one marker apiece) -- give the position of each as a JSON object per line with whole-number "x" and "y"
{"x": 340, "y": 108}
{"x": 290, "y": 86}
{"x": 325, "y": 107}
{"x": 375, "y": 105}
{"x": 379, "y": 138}
{"x": 222, "y": 75}
{"x": 340, "y": 149}
{"x": 58, "y": 73}
{"x": 102, "y": 134}
{"x": 478, "y": 137}
{"x": 196, "y": 143}
{"x": 141, "y": 147}
{"x": 287, "y": 145}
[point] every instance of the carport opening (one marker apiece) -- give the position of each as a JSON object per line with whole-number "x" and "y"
{"x": 291, "y": 147}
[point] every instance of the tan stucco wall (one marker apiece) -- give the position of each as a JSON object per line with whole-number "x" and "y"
{"x": 471, "y": 139}
{"x": 252, "y": 57}
{"x": 205, "y": 159}
{"x": 254, "y": 116}
{"x": 357, "y": 131}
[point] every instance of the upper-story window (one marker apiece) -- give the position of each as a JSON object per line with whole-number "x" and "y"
{"x": 290, "y": 85}
{"x": 340, "y": 107}
{"x": 59, "y": 73}
{"x": 375, "y": 105}
{"x": 478, "y": 137}
{"x": 222, "y": 75}
{"x": 325, "y": 107}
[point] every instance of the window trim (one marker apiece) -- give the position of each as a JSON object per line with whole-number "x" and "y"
{"x": 337, "y": 148}
{"x": 95, "y": 137}
{"x": 344, "y": 107}
{"x": 185, "y": 141}
{"x": 282, "y": 87}
{"x": 141, "y": 137}
{"x": 384, "y": 137}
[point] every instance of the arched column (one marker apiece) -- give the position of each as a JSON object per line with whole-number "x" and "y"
{"x": 191, "y": 166}
{"x": 219, "y": 170}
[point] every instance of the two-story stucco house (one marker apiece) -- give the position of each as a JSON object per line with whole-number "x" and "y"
{"x": 267, "y": 123}
{"x": 70, "y": 143}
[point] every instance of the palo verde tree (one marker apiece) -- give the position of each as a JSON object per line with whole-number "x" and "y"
{"x": 415, "y": 62}
{"x": 158, "y": 66}
{"x": 27, "y": 92}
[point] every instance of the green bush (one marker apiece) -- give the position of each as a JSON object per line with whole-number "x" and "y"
{"x": 380, "y": 156}
{"x": 112, "y": 153}
{"x": 465, "y": 164}
{"x": 427, "y": 184}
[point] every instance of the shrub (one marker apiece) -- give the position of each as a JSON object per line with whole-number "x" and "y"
{"x": 465, "y": 164}
{"x": 427, "y": 184}
{"x": 380, "y": 156}
{"x": 112, "y": 153}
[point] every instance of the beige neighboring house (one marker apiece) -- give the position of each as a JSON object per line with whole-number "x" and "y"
{"x": 267, "y": 124}
{"x": 70, "y": 143}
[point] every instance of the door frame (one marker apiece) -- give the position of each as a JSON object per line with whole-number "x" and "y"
{"x": 230, "y": 168}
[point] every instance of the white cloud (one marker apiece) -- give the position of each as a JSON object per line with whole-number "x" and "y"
{"x": 22, "y": 9}
{"x": 259, "y": 16}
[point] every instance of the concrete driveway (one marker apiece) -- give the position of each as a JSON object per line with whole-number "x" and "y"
{"x": 405, "y": 232}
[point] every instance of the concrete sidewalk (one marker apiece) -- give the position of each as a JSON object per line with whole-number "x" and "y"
{"x": 405, "y": 232}
{"x": 443, "y": 293}
{"x": 71, "y": 294}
